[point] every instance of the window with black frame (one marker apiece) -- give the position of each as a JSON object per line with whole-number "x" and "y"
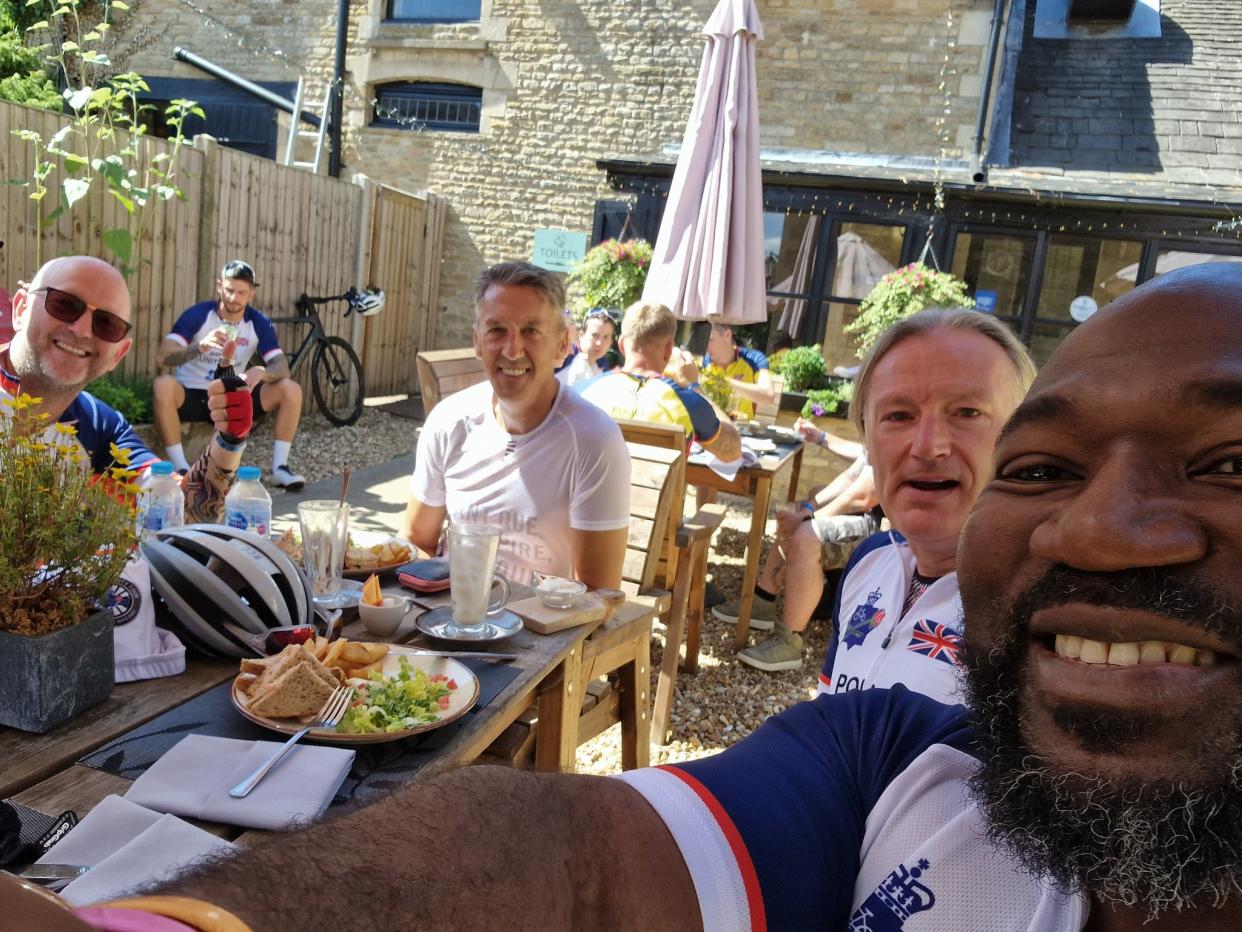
{"x": 432, "y": 11}
{"x": 420, "y": 105}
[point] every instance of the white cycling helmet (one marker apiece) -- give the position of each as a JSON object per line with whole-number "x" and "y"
{"x": 366, "y": 303}
{"x": 208, "y": 574}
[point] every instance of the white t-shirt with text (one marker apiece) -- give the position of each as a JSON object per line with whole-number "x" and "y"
{"x": 570, "y": 472}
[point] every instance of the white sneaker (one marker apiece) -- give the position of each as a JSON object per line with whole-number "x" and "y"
{"x": 287, "y": 479}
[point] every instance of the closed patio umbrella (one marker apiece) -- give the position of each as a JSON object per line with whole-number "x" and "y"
{"x": 708, "y": 259}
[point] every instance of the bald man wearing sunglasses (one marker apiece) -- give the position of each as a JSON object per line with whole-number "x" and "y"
{"x": 72, "y": 326}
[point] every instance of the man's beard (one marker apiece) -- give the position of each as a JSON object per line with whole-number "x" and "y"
{"x": 1166, "y": 845}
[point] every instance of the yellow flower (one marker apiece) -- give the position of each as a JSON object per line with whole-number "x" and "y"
{"x": 67, "y": 430}
{"x": 119, "y": 456}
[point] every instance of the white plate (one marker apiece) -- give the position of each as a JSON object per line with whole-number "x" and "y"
{"x": 461, "y": 700}
{"x": 371, "y": 539}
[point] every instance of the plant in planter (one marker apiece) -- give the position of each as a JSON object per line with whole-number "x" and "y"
{"x": 611, "y": 275}
{"x": 67, "y": 538}
{"x": 901, "y": 293}
{"x": 803, "y": 369}
{"x": 821, "y": 402}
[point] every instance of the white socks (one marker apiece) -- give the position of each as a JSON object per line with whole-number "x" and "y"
{"x": 176, "y": 456}
{"x": 280, "y": 453}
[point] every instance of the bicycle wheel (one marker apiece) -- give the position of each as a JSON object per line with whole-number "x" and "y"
{"x": 336, "y": 379}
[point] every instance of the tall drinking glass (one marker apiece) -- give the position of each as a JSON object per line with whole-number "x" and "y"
{"x": 472, "y": 573}
{"x": 325, "y": 537}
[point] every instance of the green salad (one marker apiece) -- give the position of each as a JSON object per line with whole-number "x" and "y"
{"x": 400, "y": 701}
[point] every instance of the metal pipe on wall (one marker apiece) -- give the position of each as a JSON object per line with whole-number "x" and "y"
{"x": 338, "y": 89}
{"x": 977, "y": 171}
{"x": 216, "y": 71}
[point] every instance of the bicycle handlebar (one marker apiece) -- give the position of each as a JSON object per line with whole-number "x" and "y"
{"x": 367, "y": 302}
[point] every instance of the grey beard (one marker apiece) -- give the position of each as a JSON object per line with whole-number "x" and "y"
{"x": 1163, "y": 845}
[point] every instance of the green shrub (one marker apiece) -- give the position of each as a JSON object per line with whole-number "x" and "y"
{"x": 131, "y": 395}
{"x": 901, "y": 293}
{"x": 824, "y": 401}
{"x": 803, "y": 369}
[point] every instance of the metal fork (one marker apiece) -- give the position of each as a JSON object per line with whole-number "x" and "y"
{"x": 328, "y": 717}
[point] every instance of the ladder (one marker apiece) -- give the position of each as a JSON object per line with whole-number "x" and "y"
{"x": 296, "y": 131}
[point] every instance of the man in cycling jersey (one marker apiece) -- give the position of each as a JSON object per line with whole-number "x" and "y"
{"x": 192, "y": 352}
{"x": 72, "y": 326}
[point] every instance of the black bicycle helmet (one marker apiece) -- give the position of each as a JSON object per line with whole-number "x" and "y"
{"x": 207, "y": 574}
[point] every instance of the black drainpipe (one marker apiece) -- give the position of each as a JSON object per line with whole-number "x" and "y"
{"x": 338, "y": 89}
{"x": 978, "y": 172}
{"x": 202, "y": 64}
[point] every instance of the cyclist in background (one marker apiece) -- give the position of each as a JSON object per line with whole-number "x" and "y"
{"x": 192, "y": 352}
{"x": 745, "y": 369}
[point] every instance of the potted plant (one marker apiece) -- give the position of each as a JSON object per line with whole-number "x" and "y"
{"x": 67, "y": 536}
{"x": 903, "y": 292}
{"x": 611, "y": 275}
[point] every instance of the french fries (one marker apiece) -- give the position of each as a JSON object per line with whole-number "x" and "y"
{"x": 351, "y": 658}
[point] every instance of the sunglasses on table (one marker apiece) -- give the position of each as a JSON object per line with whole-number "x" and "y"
{"x": 67, "y": 308}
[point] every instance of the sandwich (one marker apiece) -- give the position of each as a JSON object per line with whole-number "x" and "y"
{"x": 291, "y": 684}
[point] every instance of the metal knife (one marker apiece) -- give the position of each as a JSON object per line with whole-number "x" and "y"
{"x": 44, "y": 872}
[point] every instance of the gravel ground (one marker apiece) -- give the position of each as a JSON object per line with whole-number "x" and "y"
{"x": 319, "y": 448}
{"x": 726, "y": 700}
{"x": 721, "y": 704}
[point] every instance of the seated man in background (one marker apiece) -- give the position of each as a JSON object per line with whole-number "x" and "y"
{"x": 72, "y": 326}
{"x": 641, "y": 391}
{"x": 192, "y": 351}
{"x": 812, "y": 537}
{"x": 521, "y": 450}
{"x": 598, "y": 331}
{"x": 1075, "y": 791}
{"x": 930, "y": 399}
{"x": 744, "y": 369}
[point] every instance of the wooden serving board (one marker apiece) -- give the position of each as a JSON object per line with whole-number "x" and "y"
{"x": 539, "y": 618}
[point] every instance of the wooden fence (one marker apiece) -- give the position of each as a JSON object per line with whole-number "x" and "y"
{"x": 301, "y": 232}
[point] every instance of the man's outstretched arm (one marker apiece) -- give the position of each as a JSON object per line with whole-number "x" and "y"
{"x": 481, "y": 847}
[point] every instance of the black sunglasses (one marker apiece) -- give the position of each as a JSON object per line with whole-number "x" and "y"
{"x": 67, "y": 308}
{"x": 598, "y": 313}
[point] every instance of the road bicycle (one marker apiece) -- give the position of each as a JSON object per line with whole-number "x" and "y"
{"x": 336, "y": 371}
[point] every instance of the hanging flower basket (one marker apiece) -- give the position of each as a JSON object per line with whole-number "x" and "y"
{"x": 901, "y": 293}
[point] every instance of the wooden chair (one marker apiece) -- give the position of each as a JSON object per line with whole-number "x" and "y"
{"x": 443, "y": 372}
{"x": 681, "y": 569}
{"x": 620, "y": 648}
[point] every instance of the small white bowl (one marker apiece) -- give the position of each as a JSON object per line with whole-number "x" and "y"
{"x": 384, "y": 619}
{"x": 555, "y": 592}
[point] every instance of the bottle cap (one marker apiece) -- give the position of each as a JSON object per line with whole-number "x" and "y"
{"x": 162, "y": 468}
{"x": 249, "y": 472}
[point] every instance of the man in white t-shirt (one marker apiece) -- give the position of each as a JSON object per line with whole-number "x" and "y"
{"x": 521, "y": 450}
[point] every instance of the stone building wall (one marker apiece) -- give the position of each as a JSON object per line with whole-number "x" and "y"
{"x": 567, "y": 82}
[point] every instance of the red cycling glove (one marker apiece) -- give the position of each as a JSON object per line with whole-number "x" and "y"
{"x": 238, "y": 408}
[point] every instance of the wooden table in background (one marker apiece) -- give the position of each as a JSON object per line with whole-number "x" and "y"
{"x": 755, "y": 483}
{"x": 40, "y": 770}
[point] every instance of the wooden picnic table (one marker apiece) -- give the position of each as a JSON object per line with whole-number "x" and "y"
{"x": 753, "y": 482}
{"x": 40, "y": 771}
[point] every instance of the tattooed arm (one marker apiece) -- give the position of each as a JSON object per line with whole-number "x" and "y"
{"x": 209, "y": 481}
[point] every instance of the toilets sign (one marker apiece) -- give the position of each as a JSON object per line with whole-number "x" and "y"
{"x": 558, "y": 250}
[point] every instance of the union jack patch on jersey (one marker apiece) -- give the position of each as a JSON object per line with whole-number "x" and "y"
{"x": 937, "y": 641}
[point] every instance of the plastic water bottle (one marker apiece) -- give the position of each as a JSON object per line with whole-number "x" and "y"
{"x": 162, "y": 503}
{"x": 248, "y": 507}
